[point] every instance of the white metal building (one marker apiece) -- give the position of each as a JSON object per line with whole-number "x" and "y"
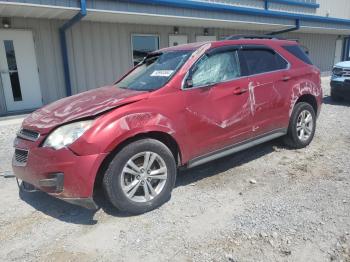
{"x": 53, "y": 48}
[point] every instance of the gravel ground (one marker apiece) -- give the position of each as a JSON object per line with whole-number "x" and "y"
{"x": 268, "y": 203}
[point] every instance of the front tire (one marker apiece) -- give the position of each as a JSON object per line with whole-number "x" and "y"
{"x": 302, "y": 126}
{"x": 140, "y": 177}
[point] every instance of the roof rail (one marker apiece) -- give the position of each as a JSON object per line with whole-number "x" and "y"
{"x": 237, "y": 37}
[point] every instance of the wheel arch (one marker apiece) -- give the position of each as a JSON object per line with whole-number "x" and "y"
{"x": 306, "y": 91}
{"x": 310, "y": 99}
{"x": 161, "y": 136}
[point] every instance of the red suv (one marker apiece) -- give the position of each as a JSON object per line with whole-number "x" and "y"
{"x": 181, "y": 106}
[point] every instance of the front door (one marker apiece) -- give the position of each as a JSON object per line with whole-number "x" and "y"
{"x": 19, "y": 71}
{"x": 217, "y": 103}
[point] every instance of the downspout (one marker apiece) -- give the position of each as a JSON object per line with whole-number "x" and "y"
{"x": 295, "y": 28}
{"x": 63, "y": 41}
{"x": 266, "y": 4}
{"x": 346, "y": 49}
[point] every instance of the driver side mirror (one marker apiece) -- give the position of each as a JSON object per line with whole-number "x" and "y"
{"x": 189, "y": 83}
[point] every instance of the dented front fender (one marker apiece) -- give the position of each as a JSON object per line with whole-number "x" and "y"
{"x": 111, "y": 130}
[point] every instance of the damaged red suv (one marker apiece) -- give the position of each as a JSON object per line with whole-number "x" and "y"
{"x": 181, "y": 106}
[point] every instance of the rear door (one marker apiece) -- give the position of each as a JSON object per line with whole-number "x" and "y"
{"x": 268, "y": 87}
{"x": 217, "y": 102}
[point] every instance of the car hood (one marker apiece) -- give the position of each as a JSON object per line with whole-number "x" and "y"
{"x": 79, "y": 106}
{"x": 345, "y": 64}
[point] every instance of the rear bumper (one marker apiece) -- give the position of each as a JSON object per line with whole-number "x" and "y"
{"x": 341, "y": 88}
{"x": 60, "y": 173}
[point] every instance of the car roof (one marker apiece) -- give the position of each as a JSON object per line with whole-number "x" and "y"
{"x": 195, "y": 46}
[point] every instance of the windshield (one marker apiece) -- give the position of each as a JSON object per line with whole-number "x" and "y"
{"x": 155, "y": 71}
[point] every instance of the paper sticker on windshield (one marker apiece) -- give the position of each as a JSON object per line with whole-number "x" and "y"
{"x": 162, "y": 73}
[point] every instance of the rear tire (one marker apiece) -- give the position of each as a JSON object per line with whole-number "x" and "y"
{"x": 140, "y": 177}
{"x": 302, "y": 126}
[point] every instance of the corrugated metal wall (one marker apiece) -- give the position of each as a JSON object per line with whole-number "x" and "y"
{"x": 334, "y": 8}
{"x": 273, "y": 6}
{"x": 144, "y": 8}
{"x": 99, "y": 53}
{"x": 68, "y": 3}
{"x": 292, "y": 8}
{"x": 246, "y": 3}
{"x": 321, "y": 46}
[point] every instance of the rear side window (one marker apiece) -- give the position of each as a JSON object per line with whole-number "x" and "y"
{"x": 260, "y": 61}
{"x": 298, "y": 52}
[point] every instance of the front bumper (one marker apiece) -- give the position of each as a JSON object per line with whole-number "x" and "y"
{"x": 341, "y": 88}
{"x": 60, "y": 173}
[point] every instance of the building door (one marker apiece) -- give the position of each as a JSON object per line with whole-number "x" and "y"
{"x": 175, "y": 40}
{"x": 19, "y": 71}
{"x": 338, "y": 50}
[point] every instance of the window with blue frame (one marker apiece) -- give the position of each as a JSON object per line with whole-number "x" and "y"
{"x": 142, "y": 45}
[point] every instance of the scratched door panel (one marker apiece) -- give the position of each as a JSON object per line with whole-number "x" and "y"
{"x": 217, "y": 117}
{"x": 268, "y": 91}
{"x": 269, "y": 102}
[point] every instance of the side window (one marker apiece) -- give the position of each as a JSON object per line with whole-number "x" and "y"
{"x": 298, "y": 52}
{"x": 262, "y": 60}
{"x": 216, "y": 68}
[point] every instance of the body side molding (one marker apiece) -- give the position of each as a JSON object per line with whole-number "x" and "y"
{"x": 237, "y": 147}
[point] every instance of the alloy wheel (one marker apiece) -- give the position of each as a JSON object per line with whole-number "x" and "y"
{"x": 144, "y": 176}
{"x": 305, "y": 125}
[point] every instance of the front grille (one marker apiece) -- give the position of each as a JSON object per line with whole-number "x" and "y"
{"x": 346, "y": 72}
{"x": 20, "y": 157}
{"x": 28, "y": 134}
{"x": 342, "y": 72}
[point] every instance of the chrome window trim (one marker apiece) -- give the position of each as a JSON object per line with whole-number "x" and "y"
{"x": 238, "y": 78}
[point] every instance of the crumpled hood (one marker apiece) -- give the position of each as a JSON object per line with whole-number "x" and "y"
{"x": 82, "y": 105}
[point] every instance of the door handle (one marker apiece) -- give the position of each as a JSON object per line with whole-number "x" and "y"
{"x": 239, "y": 91}
{"x": 286, "y": 78}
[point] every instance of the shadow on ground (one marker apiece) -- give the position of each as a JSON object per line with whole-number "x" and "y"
{"x": 329, "y": 101}
{"x": 69, "y": 213}
{"x": 59, "y": 209}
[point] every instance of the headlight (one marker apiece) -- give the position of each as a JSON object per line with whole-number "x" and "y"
{"x": 337, "y": 71}
{"x": 67, "y": 134}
